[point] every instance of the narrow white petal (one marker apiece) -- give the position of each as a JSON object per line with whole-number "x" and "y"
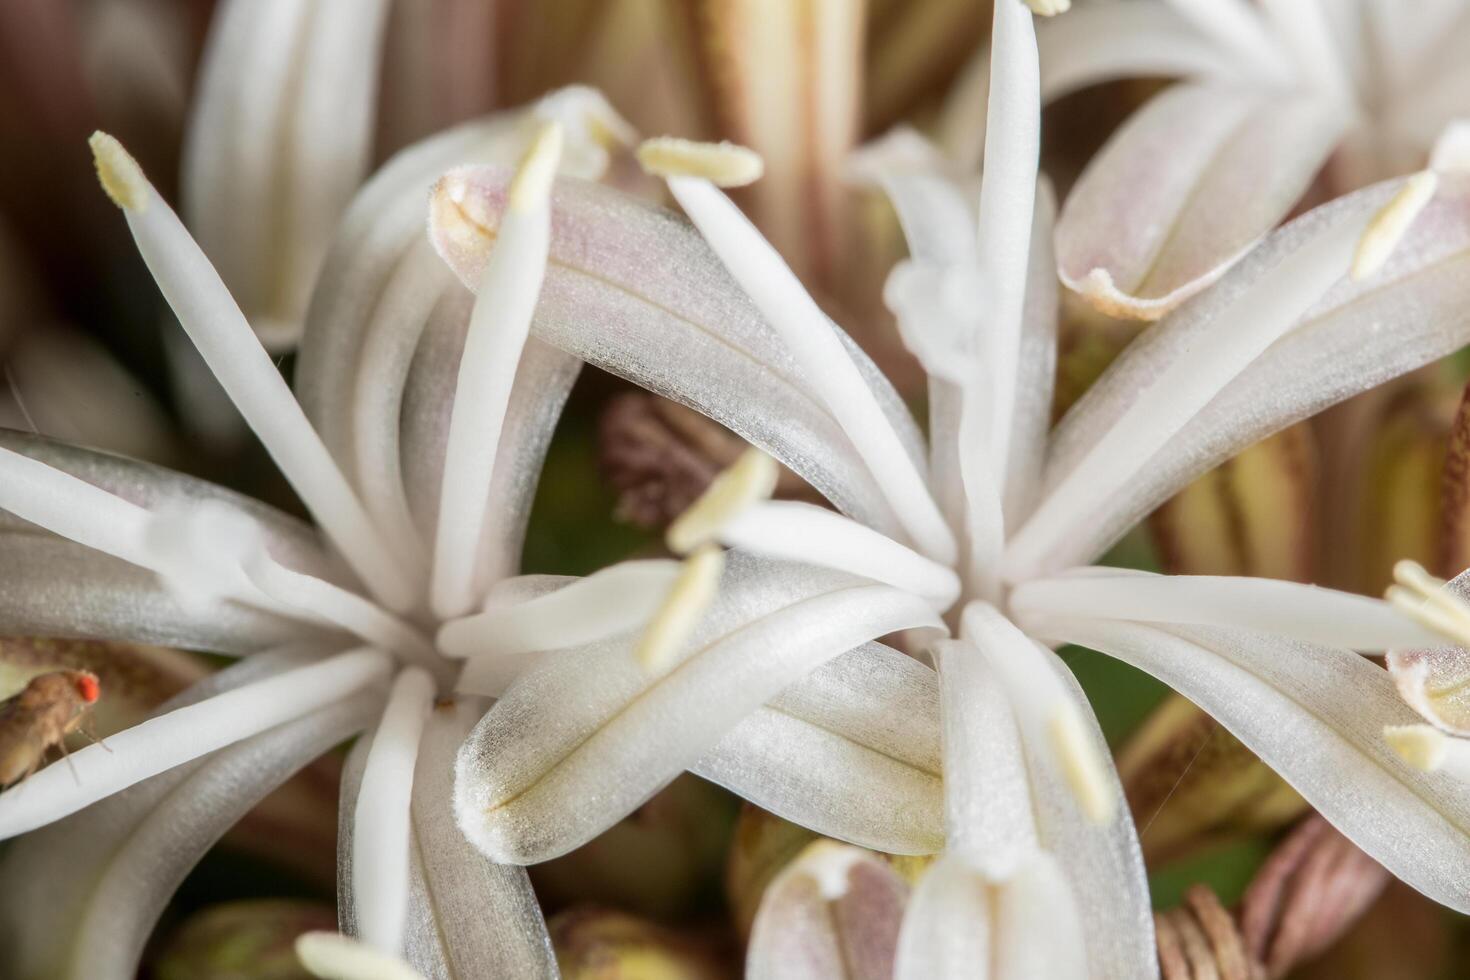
{"x": 280, "y": 137}
{"x": 1007, "y": 199}
{"x": 609, "y": 602}
{"x": 381, "y": 829}
{"x": 1045, "y": 709}
{"x": 812, "y": 340}
{"x": 851, "y": 751}
{"x": 802, "y": 532}
{"x": 47, "y": 878}
{"x": 1096, "y": 42}
{"x": 628, "y": 282}
{"x": 498, "y": 328}
{"x": 136, "y": 884}
{"x": 1360, "y": 335}
{"x": 1316, "y": 714}
{"x": 1303, "y": 612}
{"x": 1257, "y": 318}
{"x": 949, "y": 928}
{"x": 205, "y": 308}
{"x": 168, "y": 740}
{"x": 532, "y": 784}
{"x": 987, "y": 790}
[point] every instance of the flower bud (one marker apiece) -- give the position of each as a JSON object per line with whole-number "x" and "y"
{"x": 601, "y": 944}
{"x": 242, "y": 940}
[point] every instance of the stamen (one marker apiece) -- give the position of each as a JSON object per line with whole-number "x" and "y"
{"x": 214, "y": 322}
{"x": 381, "y": 831}
{"x": 681, "y": 609}
{"x": 119, "y": 173}
{"x": 722, "y": 164}
{"x": 499, "y": 324}
{"x": 1421, "y": 746}
{"x": 1389, "y": 226}
{"x": 1424, "y": 598}
{"x": 814, "y": 535}
{"x": 333, "y": 956}
{"x": 750, "y": 480}
{"x": 1084, "y": 772}
{"x": 531, "y": 185}
{"x": 1258, "y": 317}
{"x": 827, "y": 366}
{"x": 606, "y": 603}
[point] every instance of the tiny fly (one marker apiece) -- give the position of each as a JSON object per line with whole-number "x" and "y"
{"x": 40, "y": 717}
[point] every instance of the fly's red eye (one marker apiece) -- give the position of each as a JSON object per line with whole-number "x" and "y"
{"x": 88, "y": 688}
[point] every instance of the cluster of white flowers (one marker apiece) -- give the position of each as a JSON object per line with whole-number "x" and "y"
{"x": 509, "y": 719}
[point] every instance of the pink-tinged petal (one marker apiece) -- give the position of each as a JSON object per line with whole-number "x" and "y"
{"x": 1183, "y": 189}
{"x": 467, "y": 915}
{"x": 1361, "y": 334}
{"x": 628, "y": 283}
{"x": 1316, "y": 714}
{"x": 586, "y": 736}
{"x": 832, "y": 912}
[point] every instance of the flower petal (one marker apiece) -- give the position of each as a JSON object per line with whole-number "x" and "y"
{"x": 1287, "y": 609}
{"x": 832, "y": 912}
{"x": 1358, "y": 336}
{"x": 851, "y": 750}
{"x": 532, "y": 783}
{"x": 467, "y": 914}
{"x": 629, "y": 282}
{"x": 1316, "y": 714}
{"x": 1183, "y": 189}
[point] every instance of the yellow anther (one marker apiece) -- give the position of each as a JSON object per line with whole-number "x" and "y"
{"x": 1084, "y": 771}
{"x": 119, "y": 173}
{"x": 750, "y": 480}
{"x": 682, "y": 609}
{"x": 1421, "y": 746}
{"x": 1392, "y": 222}
{"x": 724, "y": 164}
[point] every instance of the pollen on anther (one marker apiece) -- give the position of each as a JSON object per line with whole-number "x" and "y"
{"x": 723, "y": 164}
{"x": 119, "y": 173}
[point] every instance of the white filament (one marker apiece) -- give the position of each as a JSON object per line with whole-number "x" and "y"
{"x": 333, "y": 956}
{"x": 209, "y": 315}
{"x": 1260, "y": 316}
{"x": 381, "y": 830}
{"x": 827, "y": 367}
{"x": 814, "y": 535}
{"x": 1303, "y": 612}
{"x": 612, "y": 601}
{"x": 499, "y": 325}
{"x": 1007, "y": 199}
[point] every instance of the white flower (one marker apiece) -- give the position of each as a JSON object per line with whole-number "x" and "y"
{"x": 995, "y": 511}
{"x": 1275, "y": 95}
{"x": 339, "y": 623}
